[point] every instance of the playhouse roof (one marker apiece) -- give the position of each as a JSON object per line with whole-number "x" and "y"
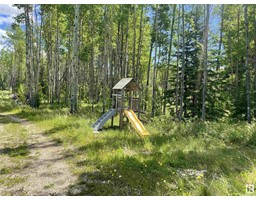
{"x": 127, "y": 83}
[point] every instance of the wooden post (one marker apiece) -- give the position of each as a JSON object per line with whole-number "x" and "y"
{"x": 130, "y": 98}
{"x": 112, "y": 121}
{"x": 113, "y": 105}
{"x": 139, "y": 104}
{"x": 121, "y": 110}
{"x": 122, "y": 99}
{"x": 121, "y": 119}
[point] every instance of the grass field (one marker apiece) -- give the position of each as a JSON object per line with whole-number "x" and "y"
{"x": 193, "y": 158}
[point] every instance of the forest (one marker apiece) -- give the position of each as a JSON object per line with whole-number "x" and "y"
{"x": 191, "y": 61}
{"x": 196, "y": 68}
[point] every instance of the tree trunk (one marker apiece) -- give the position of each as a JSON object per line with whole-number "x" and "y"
{"x": 51, "y": 74}
{"x": 254, "y": 58}
{"x": 121, "y": 52}
{"x": 169, "y": 58}
{"x": 205, "y": 53}
{"x": 148, "y": 74}
{"x": 57, "y": 67}
{"x": 178, "y": 60}
{"x": 105, "y": 57}
{"x": 110, "y": 50}
{"x": 248, "y": 114}
{"x": 74, "y": 79}
{"x": 183, "y": 64}
{"x": 28, "y": 51}
{"x": 38, "y": 59}
{"x": 134, "y": 43}
{"x": 32, "y": 61}
{"x": 220, "y": 42}
{"x": 117, "y": 55}
{"x": 92, "y": 73}
{"x": 237, "y": 77}
{"x": 68, "y": 63}
{"x": 197, "y": 95}
{"x": 155, "y": 65}
{"x": 126, "y": 48}
{"x": 137, "y": 76}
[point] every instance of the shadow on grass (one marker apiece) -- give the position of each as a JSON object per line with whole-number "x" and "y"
{"x": 228, "y": 161}
{"x": 110, "y": 128}
{"x": 162, "y": 139}
{"x": 131, "y": 175}
{"x": 121, "y": 176}
{"x": 6, "y": 120}
{"x": 36, "y": 114}
{"x": 21, "y": 150}
{"x": 60, "y": 128}
{"x": 112, "y": 142}
{"x": 24, "y": 149}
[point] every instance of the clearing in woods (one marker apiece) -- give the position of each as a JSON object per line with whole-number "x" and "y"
{"x": 32, "y": 163}
{"x": 47, "y": 151}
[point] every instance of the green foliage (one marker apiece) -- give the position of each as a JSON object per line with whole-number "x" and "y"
{"x": 21, "y": 94}
{"x": 218, "y": 153}
{"x": 112, "y": 34}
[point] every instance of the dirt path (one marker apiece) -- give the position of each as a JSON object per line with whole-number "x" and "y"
{"x": 47, "y": 171}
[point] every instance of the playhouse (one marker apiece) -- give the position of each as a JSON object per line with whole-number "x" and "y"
{"x": 125, "y": 103}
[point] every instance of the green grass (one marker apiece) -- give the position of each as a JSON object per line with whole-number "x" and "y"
{"x": 14, "y": 152}
{"x": 19, "y": 151}
{"x": 11, "y": 181}
{"x": 193, "y": 158}
{"x": 49, "y": 186}
{"x": 5, "y": 170}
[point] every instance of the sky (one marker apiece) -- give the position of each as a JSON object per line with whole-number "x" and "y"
{"x": 7, "y": 14}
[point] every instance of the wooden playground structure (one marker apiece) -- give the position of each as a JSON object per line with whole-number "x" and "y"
{"x": 125, "y": 102}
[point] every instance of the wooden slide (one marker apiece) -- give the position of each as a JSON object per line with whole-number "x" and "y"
{"x": 136, "y": 123}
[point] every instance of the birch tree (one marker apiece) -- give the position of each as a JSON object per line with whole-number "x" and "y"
{"x": 74, "y": 66}
{"x": 177, "y": 68}
{"x": 155, "y": 65}
{"x": 169, "y": 57}
{"x": 248, "y": 101}
{"x": 254, "y": 57}
{"x": 205, "y": 57}
{"x": 221, "y": 33}
{"x": 183, "y": 64}
{"x": 27, "y": 9}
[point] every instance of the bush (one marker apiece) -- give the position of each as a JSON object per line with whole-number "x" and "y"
{"x": 240, "y": 134}
{"x": 21, "y": 94}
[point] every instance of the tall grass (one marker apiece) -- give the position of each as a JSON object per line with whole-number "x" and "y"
{"x": 193, "y": 158}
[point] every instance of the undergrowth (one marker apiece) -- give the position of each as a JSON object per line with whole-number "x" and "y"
{"x": 192, "y": 158}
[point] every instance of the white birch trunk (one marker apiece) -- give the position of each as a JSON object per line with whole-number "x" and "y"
{"x": 206, "y": 29}
{"x": 74, "y": 67}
